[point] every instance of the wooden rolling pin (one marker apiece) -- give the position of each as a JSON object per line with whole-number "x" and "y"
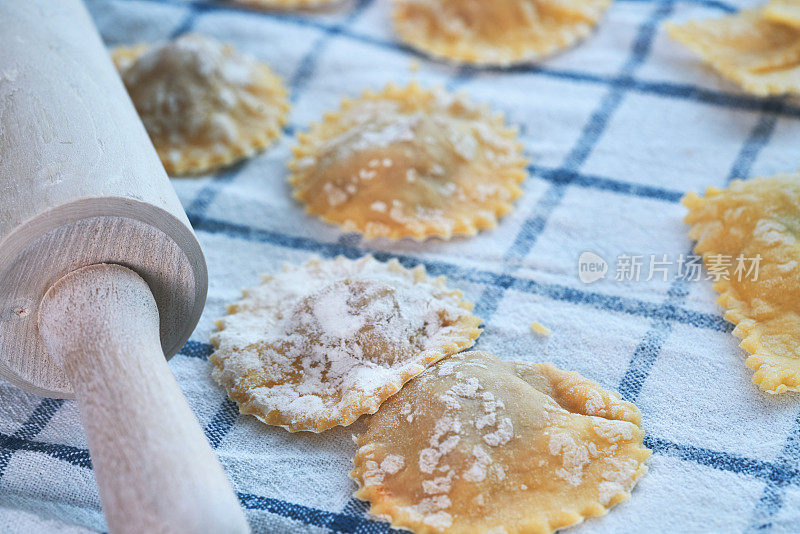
{"x": 101, "y": 275}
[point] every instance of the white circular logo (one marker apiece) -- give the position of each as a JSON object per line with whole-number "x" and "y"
{"x": 591, "y": 267}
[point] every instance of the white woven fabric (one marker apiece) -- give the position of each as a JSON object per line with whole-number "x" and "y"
{"x": 617, "y": 130}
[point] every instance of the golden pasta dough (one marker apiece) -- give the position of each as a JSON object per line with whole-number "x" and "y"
{"x": 476, "y": 444}
{"x": 784, "y": 12}
{"x": 539, "y": 328}
{"x": 203, "y": 104}
{"x": 409, "y": 162}
{"x": 752, "y": 219}
{"x": 499, "y": 32}
{"x": 760, "y": 55}
{"x": 319, "y": 344}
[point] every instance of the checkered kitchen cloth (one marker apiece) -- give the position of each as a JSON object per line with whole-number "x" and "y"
{"x": 617, "y": 130}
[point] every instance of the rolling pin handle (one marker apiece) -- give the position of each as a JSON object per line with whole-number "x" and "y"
{"x": 154, "y": 466}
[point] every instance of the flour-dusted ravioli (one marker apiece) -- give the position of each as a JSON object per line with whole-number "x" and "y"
{"x": 476, "y": 444}
{"x": 409, "y": 162}
{"x": 203, "y": 104}
{"x": 319, "y": 344}
{"x": 784, "y": 12}
{"x": 752, "y": 219}
{"x": 760, "y": 55}
{"x": 498, "y": 32}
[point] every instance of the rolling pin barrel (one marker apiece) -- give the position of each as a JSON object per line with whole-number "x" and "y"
{"x": 101, "y": 275}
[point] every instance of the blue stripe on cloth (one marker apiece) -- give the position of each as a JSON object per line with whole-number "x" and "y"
{"x": 649, "y": 348}
{"x": 356, "y": 507}
{"x": 532, "y": 227}
{"x": 725, "y": 461}
{"x": 711, "y": 4}
{"x": 785, "y": 472}
{"x": 736, "y": 101}
{"x": 772, "y": 498}
{"x": 188, "y": 22}
{"x": 222, "y": 422}
{"x": 592, "y": 181}
{"x": 663, "y": 89}
{"x": 647, "y": 351}
{"x": 535, "y": 224}
{"x": 333, "y": 521}
{"x": 42, "y": 415}
{"x": 591, "y": 133}
{"x": 756, "y": 141}
{"x": 195, "y": 349}
{"x": 208, "y": 193}
{"x": 500, "y": 281}
{"x": 308, "y": 65}
{"x": 780, "y": 474}
{"x": 73, "y": 455}
{"x": 29, "y": 429}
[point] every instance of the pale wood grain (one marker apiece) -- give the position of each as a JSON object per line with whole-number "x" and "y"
{"x": 155, "y": 469}
{"x": 80, "y": 184}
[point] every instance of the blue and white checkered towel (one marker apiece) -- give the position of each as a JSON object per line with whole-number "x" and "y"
{"x": 617, "y": 130}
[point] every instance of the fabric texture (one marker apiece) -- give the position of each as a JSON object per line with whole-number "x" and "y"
{"x": 617, "y": 129}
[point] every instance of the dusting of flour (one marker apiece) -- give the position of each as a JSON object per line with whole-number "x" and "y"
{"x": 188, "y": 87}
{"x": 319, "y": 344}
{"x": 202, "y": 103}
{"x": 490, "y": 447}
{"x": 409, "y": 162}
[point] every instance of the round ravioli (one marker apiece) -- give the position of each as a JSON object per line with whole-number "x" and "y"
{"x": 319, "y": 344}
{"x": 749, "y": 236}
{"x": 203, "y": 104}
{"x": 499, "y": 32}
{"x": 409, "y": 162}
{"x": 476, "y": 444}
{"x": 761, "y": 55}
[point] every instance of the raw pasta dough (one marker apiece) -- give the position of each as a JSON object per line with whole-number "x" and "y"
{"x": 409, "y": 162}
{"x": 496, "y": 32}
{"x": 203, "y": 105}
{"x": 476, "y": 444}
{"x": 760, "y": 55}
{"x": 319, "y": 344}
{"x": 752, "y": 218}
